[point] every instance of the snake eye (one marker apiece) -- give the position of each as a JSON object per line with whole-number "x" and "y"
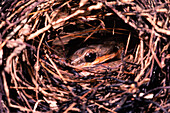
{"x": 90, "y": 57}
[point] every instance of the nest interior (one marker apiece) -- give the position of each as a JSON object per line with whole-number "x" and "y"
{"x": 40, "y": 40}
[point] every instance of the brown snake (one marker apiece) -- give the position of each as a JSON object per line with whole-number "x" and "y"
{"x": 96, "y": 54}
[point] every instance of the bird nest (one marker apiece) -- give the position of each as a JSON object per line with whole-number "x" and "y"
{"x": 38, "y": 38}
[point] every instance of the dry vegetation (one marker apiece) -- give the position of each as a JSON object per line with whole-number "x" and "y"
{"x": 38, "y": 36}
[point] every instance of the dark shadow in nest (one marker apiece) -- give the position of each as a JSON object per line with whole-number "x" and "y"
{"x": 99, "y": 37}
{"x": 78, "y": 43}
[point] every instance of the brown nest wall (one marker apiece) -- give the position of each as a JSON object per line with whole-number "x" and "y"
{"x": 37, "y": 38}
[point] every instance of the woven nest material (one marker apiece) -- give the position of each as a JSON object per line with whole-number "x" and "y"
{"x": 38, "y": 38}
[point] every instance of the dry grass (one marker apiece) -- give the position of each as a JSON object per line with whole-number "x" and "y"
{"x": 38, "y": 36}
